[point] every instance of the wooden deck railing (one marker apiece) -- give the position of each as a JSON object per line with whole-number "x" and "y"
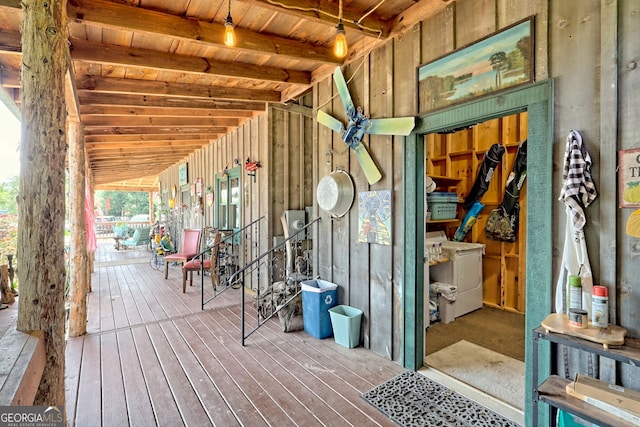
{"x": 23, "y": 355}
{"x": 108, "y": 230}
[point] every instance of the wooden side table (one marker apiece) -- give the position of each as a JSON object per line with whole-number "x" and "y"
{"x": 117, "y": 245}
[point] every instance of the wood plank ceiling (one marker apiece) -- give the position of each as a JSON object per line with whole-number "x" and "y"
{"x": 154, "y": 81}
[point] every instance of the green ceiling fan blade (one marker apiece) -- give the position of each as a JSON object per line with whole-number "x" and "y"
{"x": 343, "y": 91}
{"x": 369, "y": 168}
{"x": 391, "y": 126}
{"x": 330, "y": 121}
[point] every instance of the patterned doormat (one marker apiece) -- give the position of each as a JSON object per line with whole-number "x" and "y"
{"x": 411, "y": 399}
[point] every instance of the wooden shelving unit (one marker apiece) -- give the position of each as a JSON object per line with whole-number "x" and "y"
{"x": 552, "y": 390}
{"x": 455, "y": 159}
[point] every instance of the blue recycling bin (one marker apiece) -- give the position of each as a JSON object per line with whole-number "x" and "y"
{"x": 318, "y": 296}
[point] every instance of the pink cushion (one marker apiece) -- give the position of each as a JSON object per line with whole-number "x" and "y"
{"x": 179, "y": 257}
{"x": 195, "y": 264}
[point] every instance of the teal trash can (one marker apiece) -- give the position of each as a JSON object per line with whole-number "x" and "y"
{"x": 346, "y": 325}
{"x": 318, "y": 296}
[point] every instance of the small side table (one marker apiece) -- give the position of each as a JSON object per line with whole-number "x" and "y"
{"x": 117, "y": 245}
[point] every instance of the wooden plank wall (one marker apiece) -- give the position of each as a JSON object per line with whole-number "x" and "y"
{"x": 627, "y": 254}
{"x": 384, "y": 84}
{"x": 281, "y": 140}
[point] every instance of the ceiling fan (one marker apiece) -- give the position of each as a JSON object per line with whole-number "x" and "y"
{"x": 360, "y": 124}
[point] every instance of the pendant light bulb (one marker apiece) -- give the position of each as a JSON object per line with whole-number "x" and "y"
{"x": 340, "y": 46}
{"x": 229, "y": 35}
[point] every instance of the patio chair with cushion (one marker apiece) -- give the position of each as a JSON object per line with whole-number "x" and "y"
{"x": 140, "y": 238}
{"x": 189, "y": 248}
{"x": 207, "y": 264}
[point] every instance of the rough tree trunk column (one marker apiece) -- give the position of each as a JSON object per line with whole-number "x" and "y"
{"x": 41, "y": 196}
{"x": 78, "y": 265}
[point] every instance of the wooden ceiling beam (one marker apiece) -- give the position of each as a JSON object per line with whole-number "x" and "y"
{"x": 104, "y": 146}
{"x": 82, "y": 50}
{"x": 110, "y": 121}
{"x": 148, "y": 138}
{"x": 118, "y": 170}
{"x": 121, "y": 16}
{"x": 154, "y": 87}
{"x": 324, "y": 12}
{"x": 102, "y": 53}
{"x": 420, "y": 11}
{"x": 115, "y": 110}
{"x": 129, "y": 131}
{"x": 164, "y": 101}
{"x": 133, "y": 168}
{"x": 146, "y": 165}
{"x": 10, "y": 76}
{"x": 102, "y": 157}
{"x": 127, "y": 187}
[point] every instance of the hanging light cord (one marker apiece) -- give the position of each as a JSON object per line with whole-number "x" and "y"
{"x": 368, "y": 13}
{"x": 331, "y": 15}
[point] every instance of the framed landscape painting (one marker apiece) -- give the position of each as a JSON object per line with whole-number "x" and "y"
{"x": 498, "y": 62}
{"x": 182, "y": 174}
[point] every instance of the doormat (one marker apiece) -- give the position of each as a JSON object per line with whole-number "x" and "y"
{"x": 493, "y": 373}
{"x": 411, "y": 399}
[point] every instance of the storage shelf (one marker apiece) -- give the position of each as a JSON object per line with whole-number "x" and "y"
{"x": 460, "y": 153}
{"x": 442, "y": 221}
{"x": 553, "y": 390}
{"x": 443, "y": 260}
{"x": 445, "y": 181}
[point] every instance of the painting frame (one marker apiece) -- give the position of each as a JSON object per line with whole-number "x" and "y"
{"x": 183, "y": 174}
{"x": 466, "y": 74}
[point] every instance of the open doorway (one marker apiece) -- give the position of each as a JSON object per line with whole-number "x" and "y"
{"x": 537, "y": 100}
{"x": 479, "y": 338}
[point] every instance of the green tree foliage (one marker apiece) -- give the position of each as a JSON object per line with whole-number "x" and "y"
{"x": 8, "y": 236}
{"x": 123, "y": 204}
{"x": 8, "y": 194}
{"x": 9, "y": 219}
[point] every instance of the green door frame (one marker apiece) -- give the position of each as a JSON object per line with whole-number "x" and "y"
{"x": 227, "y": 176}
{"x": 537, "y": 100}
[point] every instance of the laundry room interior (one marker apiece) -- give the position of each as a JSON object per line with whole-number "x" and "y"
{"x": 475, "y": 240}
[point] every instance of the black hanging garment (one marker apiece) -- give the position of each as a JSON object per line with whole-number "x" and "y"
{"x": 485, "y": 172}
{"x": 502, "y": 223}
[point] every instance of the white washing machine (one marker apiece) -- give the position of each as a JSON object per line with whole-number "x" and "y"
{"x": 463, "y": 270}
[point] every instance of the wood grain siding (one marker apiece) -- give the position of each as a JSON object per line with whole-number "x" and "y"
{"x": 324, "y": 92}
{"x": 628, "y": 137}
{"x": 343, "y": 159}
{"x": 281, "y": 140}
{"x": 359, "y": 269}
{"x": 384, "y": 84}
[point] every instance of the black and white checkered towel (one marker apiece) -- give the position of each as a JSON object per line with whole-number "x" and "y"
{"x": 578, "y": 189}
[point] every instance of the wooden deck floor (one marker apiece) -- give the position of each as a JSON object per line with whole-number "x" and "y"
{"x": 152, "y": 357}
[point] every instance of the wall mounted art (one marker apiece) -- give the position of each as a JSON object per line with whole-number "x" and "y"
{"x": 374, "y": 217}
{"x": 497, "y": 62}
{"x": 182, "y": 174}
